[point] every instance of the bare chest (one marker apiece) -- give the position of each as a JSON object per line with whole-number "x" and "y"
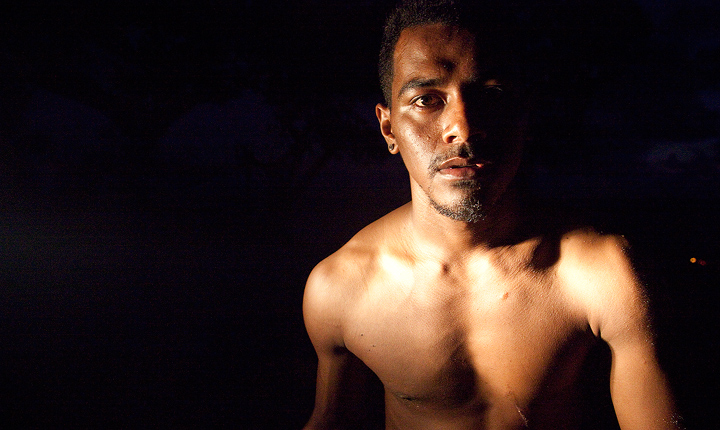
{"x": 496, "y": 342}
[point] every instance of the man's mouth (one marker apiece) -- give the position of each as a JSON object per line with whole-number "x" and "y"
{"x": 461, "y": 167}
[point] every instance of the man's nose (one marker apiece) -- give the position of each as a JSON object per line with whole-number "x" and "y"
{"x": 460, "y": 123}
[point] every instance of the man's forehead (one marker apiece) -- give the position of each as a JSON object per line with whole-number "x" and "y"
{"x": 433, "y": 50}
{"x": 431, "y": 41}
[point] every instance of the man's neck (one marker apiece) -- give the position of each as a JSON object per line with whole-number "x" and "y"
{"x": 445, "y": 238}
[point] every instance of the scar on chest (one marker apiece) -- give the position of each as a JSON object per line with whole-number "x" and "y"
{"x": 524, "y": 418}
{"x": 410, "y": 400}
{"x": 406, "y": 397}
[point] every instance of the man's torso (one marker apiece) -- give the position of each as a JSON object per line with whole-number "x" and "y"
{"x": 493, "y": 340}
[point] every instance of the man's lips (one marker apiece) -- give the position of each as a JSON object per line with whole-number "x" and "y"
{"x": 461, "y": 167}
{"x": 459, "y": 162}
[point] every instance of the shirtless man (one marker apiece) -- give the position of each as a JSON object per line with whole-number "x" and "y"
{"x": 468, "y": 316}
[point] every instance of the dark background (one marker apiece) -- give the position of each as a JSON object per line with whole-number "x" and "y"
{"x": 170, "y": 172}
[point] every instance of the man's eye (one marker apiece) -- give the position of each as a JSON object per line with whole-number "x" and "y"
{"x": 493, "y": 91}
{"x": 493, "y": 96}
{"x": 427, "y": 100}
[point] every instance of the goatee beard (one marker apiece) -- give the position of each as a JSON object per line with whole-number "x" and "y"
{"x": 470, "y": 210}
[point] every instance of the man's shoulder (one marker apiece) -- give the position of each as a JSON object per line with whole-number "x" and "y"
{"x": 598, "y": 272}
{"x": 584, "y": 251}
{"x": 339, "y": 281}
{"x": 348, "y": 268}
{"x": 585, "y": 242}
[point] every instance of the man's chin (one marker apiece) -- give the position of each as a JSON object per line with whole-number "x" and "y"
{"x": 469, "y": 210}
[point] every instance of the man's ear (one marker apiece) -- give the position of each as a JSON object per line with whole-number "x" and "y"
{"x": 382, "y": 113}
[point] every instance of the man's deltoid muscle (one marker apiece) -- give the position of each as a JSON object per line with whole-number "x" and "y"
{"x": 461, "y": 309}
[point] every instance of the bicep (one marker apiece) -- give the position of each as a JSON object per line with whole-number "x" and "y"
{"x": 618, "y": 311}
{"x": 348, "y": 394}
{"x": 640, "y": 391}
{"x": 345, "y": 387}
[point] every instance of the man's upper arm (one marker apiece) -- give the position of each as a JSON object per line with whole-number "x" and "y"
{"x": 618, "y": 311}
{"x": 639, "y": 389}
{"x": 344, "y": 383}
{"x": 321, "y": 310}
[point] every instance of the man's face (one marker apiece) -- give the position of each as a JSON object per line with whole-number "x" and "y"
{"x": 455, "y": 125}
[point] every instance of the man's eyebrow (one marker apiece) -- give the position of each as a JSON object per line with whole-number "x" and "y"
{"x": 419, "y": 83}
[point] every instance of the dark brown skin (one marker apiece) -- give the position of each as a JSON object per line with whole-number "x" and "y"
{"x": 468, "y": 324}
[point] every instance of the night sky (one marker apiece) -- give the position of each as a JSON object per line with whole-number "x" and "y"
{"x": 170, "y": 172}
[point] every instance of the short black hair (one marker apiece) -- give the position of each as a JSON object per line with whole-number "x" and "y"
{"x": 491, "y": 21}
